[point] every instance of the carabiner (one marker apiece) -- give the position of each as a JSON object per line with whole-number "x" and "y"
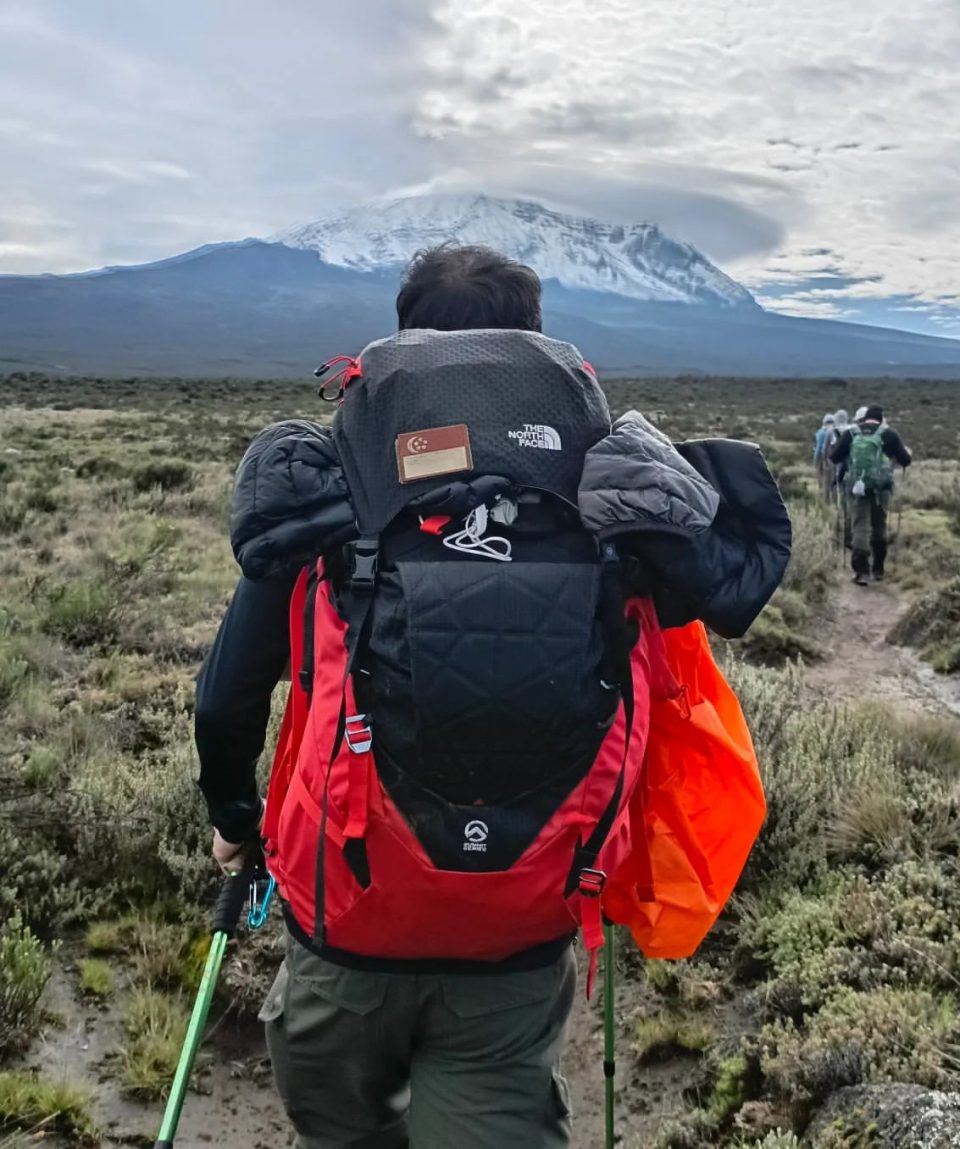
{"x": 258, "y": 910}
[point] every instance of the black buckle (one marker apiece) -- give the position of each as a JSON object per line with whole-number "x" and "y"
{"x": 592, "y": 882}
{"x": 357, "y": 734}
{"x": 365, "y": 561}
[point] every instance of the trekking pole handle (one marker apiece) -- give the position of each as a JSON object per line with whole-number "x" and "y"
{"x": 235, "y": 891}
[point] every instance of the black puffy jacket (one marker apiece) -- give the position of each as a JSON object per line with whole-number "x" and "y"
{"x": 705, "y": 519}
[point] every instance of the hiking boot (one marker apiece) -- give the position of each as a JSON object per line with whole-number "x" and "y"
{"x": 878, "y": 576}
{"x": 860, "y": 578}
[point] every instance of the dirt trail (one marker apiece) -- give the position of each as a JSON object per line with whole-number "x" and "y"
{"x": 860, "y": 663}
{"x": 233, "y": 1102}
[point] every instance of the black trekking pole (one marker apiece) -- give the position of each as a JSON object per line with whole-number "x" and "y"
{"x": 233, "y": 895}
{"x": 896, "y": 536}
{"x": 841, "y": 527}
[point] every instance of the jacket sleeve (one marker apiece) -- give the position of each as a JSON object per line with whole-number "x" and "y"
{"x": 234, "y": 688}
{"x": 896, "y": 449}
{"x": 727, "y": 574}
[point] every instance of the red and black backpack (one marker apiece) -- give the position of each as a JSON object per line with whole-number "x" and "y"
{"x": 470, "y": 689}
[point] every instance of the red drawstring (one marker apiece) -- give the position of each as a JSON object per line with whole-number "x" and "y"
{"x": 352, "y": 369}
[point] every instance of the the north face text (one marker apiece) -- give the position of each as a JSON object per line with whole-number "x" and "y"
{"x": 537, "y": 435}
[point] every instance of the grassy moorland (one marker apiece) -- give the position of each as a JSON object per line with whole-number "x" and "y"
{"x": 838, "y": 964}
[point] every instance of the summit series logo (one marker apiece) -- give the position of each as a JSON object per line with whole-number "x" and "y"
{"x": 536, "y": 435}
{"x": 476, "y": 834}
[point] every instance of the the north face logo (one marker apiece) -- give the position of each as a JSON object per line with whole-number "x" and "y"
{"x": 476, "y": 834}
{"x": 537, "y": 435}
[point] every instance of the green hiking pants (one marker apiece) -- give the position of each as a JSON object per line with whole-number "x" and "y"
{"x": 372, "y": 1060}
{"x": 868, "y": 523}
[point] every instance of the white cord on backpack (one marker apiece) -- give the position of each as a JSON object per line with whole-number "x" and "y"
{"x": 470, "y": 540}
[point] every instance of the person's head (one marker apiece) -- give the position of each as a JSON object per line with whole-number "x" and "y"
{"x": 860, "y": 415}
{"x": 841, "y": 418}
{"x": 828, "y": 421}
{"x": 453, "y": 288}
{"x": 873, "y": 414}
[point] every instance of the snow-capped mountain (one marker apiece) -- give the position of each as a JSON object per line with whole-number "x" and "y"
{"x": 632, "y": 299}
{"x": 634, "y": 260}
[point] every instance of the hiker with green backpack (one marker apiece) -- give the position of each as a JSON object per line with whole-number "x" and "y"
{"x": 865, "y": 455}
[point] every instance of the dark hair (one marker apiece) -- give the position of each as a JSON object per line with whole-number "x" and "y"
{"x": 453, "y": 288}
{"x": 874, "y": 414}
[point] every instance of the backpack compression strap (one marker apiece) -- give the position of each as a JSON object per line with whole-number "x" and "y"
{"x": 354, "y": 730}
{"x": 584, "y": 876}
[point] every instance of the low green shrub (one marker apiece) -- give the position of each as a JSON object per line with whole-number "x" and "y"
{"x": 41, "y": 767}
{"x": 100, "y": 467}
{"x": 110, "y": 937}
{"x": 82, "y": 612}
{"x": 167, "y": 474}
{"x": 29, "y": 1102}
{"x": 24, "y": 973}
{"x": 95, "y": 977}
{"x": 879, "y": 1035}
{"x": 666, "y": 1034}
{"x": 14, "y": 670}
{"x": 814, "y": 557}
{"x": 775, "y": 1139}
{"x": 772, "y": 640}
{"x": 156, "y": 1025}
{"x": 13, "y": 514}
{"x": 815, "y": 757}
{"x": 932, "y": 625}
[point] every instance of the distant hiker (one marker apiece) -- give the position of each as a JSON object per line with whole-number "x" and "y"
{"x": 467, "y": 575}
{"x": 865, "y": 454}
{"x": 826, "y": 470}
{"x": 841, "y": 423}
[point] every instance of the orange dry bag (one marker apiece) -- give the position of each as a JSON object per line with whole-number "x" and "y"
{"x": 698, "y": 811}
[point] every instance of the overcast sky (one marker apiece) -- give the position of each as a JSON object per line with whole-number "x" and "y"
{"x": 810, "y": 147}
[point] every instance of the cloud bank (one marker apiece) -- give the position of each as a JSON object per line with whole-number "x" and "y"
{"x": 808, "y": 148}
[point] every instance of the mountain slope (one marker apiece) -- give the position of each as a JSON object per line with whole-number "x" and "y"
{"x": 637, "y": 261}
{"x": 271, "y": 308}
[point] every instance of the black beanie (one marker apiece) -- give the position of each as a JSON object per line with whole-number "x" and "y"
{"x": 874, "y": 414}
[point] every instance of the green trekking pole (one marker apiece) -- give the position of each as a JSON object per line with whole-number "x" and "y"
{"x": 609, "y": 1031}
{"x": 226, "y": 915}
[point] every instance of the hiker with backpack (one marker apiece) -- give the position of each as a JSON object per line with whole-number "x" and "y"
{"x": 472, "y": 575}
{"x": 865, "y": 455}
{"x": 823, "y": 464}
